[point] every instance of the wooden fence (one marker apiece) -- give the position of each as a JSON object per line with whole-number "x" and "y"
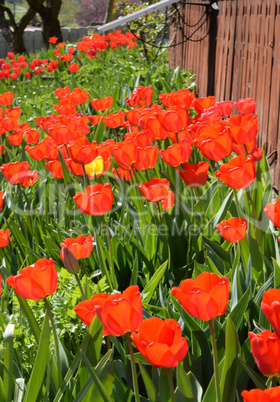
{"x": 33, "y": 39}
{"x": 235, "y": 53}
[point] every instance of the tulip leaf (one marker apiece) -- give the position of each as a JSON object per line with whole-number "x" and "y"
{"x": 19, "y": 390}
{"x": 253, "y": 375}
{"x": 8, "y": 360}
{"x": 196, "y": 387}
{"x": 184, "y": 391}
{"x": 218, "y": 250}
{"x": 149, "y": 289}
{"x": 101, "y": 259}
{"x": 30, "y": 317}
{"x": 239, "y": 310}
{"x": 66, "y": 175}
{"x": 38, "y": 373}
{"x": 276, "y": 267}
{"x": 164, "y": 390}
{"x": 256, "y": 258}
{"x": 230, "y": 369}
{"x": 149, "y": 385}
{"x": 210, "y": 394}
{"x": 94, "y": 347}
{"x": 222, "y": 211}
{"x": 102, "y": 390}
{"x": 99, "y": 133}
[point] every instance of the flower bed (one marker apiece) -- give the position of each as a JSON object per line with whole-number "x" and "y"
{"x": 138, "y": 239}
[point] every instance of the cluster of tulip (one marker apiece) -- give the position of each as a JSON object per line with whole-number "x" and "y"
{"x": 15, "y": 67}
{"x": 184, "y": 129}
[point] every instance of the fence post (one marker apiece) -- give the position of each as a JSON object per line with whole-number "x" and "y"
{"x": 213, "y": 29}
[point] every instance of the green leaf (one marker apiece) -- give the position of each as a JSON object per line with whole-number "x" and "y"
{"x": 149, "y": 289}
{"x": 254, "y": 376}
{"x": 102, "y": 390}
{"x": 149, "y": 385}
{"x": 94, "y": 348}
{"x": 276, "y": 267}
{"x": 30, "y": 317}
{"x": 218, "y": 250}
{"x": 99, "y": 134}
{"x": 38, "y": 373}
{"x": 239, "y": 310}
{"x": 8, "y": 361}
{"x": 19, "y": 390}
{"x": 222, "y": 211}
{"x": 230, "y": 369}
{"x": 101, "y": 260}
{"x": 184, "y": 391}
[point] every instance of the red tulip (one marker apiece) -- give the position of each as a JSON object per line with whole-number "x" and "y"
{"x": 86, "y": 309}
{"x": 96, "y": 200}
{"x": 32, "y": 136}
{"x": 215, "y": 143}
{"x": 102, "y": 104}
{"x": 37, "y": 281}
{"x": 114, "y": 120}
{"x": 194, "y": 175}
{"x": 6, "y": 98}
{"x": 271, "y": 308}
{"x": 134, "y": 115}
{"x": 272, "y": 211}
{"x": 200, "y": 104}
{"x": 4, "y": 237}
{"x": 233, "y": 229}
{"x": 19, "y": 173}
{"x": 225, "y": 107}
{"x": 81, "y": 247}
{"x": 174, "y": 119}
{"x": 121, "y": 312}
{"x": 177, "y": 154}
{"x": 243, "y": 128}
{"x": 73, "y": 67}
{"x": 55, "y": 169}
{"x": 257, "y": 395}
{"x": 161, "y": 342}
{"x": 266, "y": 351}
{"x": 45, "y": 149}
{"x": 168, "y": 202}
{"x": 147, "y": 158}
{"x": 182, "y": 97}
{"x": 240, "y": 172}
{"x": 62, "y": 92}
{"x": 246, "y": 106}
{"x": 82, "y": 151}
{"x": 125, "y": 153}
{"x": 155, "y": 190}
{"x": 122, "y": 174}
{"x": 205, "y": 297}
{"x": 1, "y": 199}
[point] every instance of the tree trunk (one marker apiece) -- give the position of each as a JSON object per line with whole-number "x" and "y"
{"x": 49, "y": 15}
{"x": 109, "y": 12}
{"x": 15, "y": 37}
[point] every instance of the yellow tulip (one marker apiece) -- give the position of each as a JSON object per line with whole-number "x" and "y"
{"x": 95, "y": 167}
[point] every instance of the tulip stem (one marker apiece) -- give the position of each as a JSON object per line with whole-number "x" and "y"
{"x": 237, "y": 203}
{"x": 171, "y": 385}
{"x": 274, "y": 382}
{"x": 255, "y": 217}
{"x": 215, "y": 361}
{"x": 113, "y": 283}
{"x": 55, "y": 340}
{"x": 133, "y": 368}
{"x": 80, "y": 286}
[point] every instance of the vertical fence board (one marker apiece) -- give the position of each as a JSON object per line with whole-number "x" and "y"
{"x": 247, "y": 61}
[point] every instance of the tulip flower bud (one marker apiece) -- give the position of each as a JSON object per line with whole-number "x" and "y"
{"x": 70, "y": 261}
